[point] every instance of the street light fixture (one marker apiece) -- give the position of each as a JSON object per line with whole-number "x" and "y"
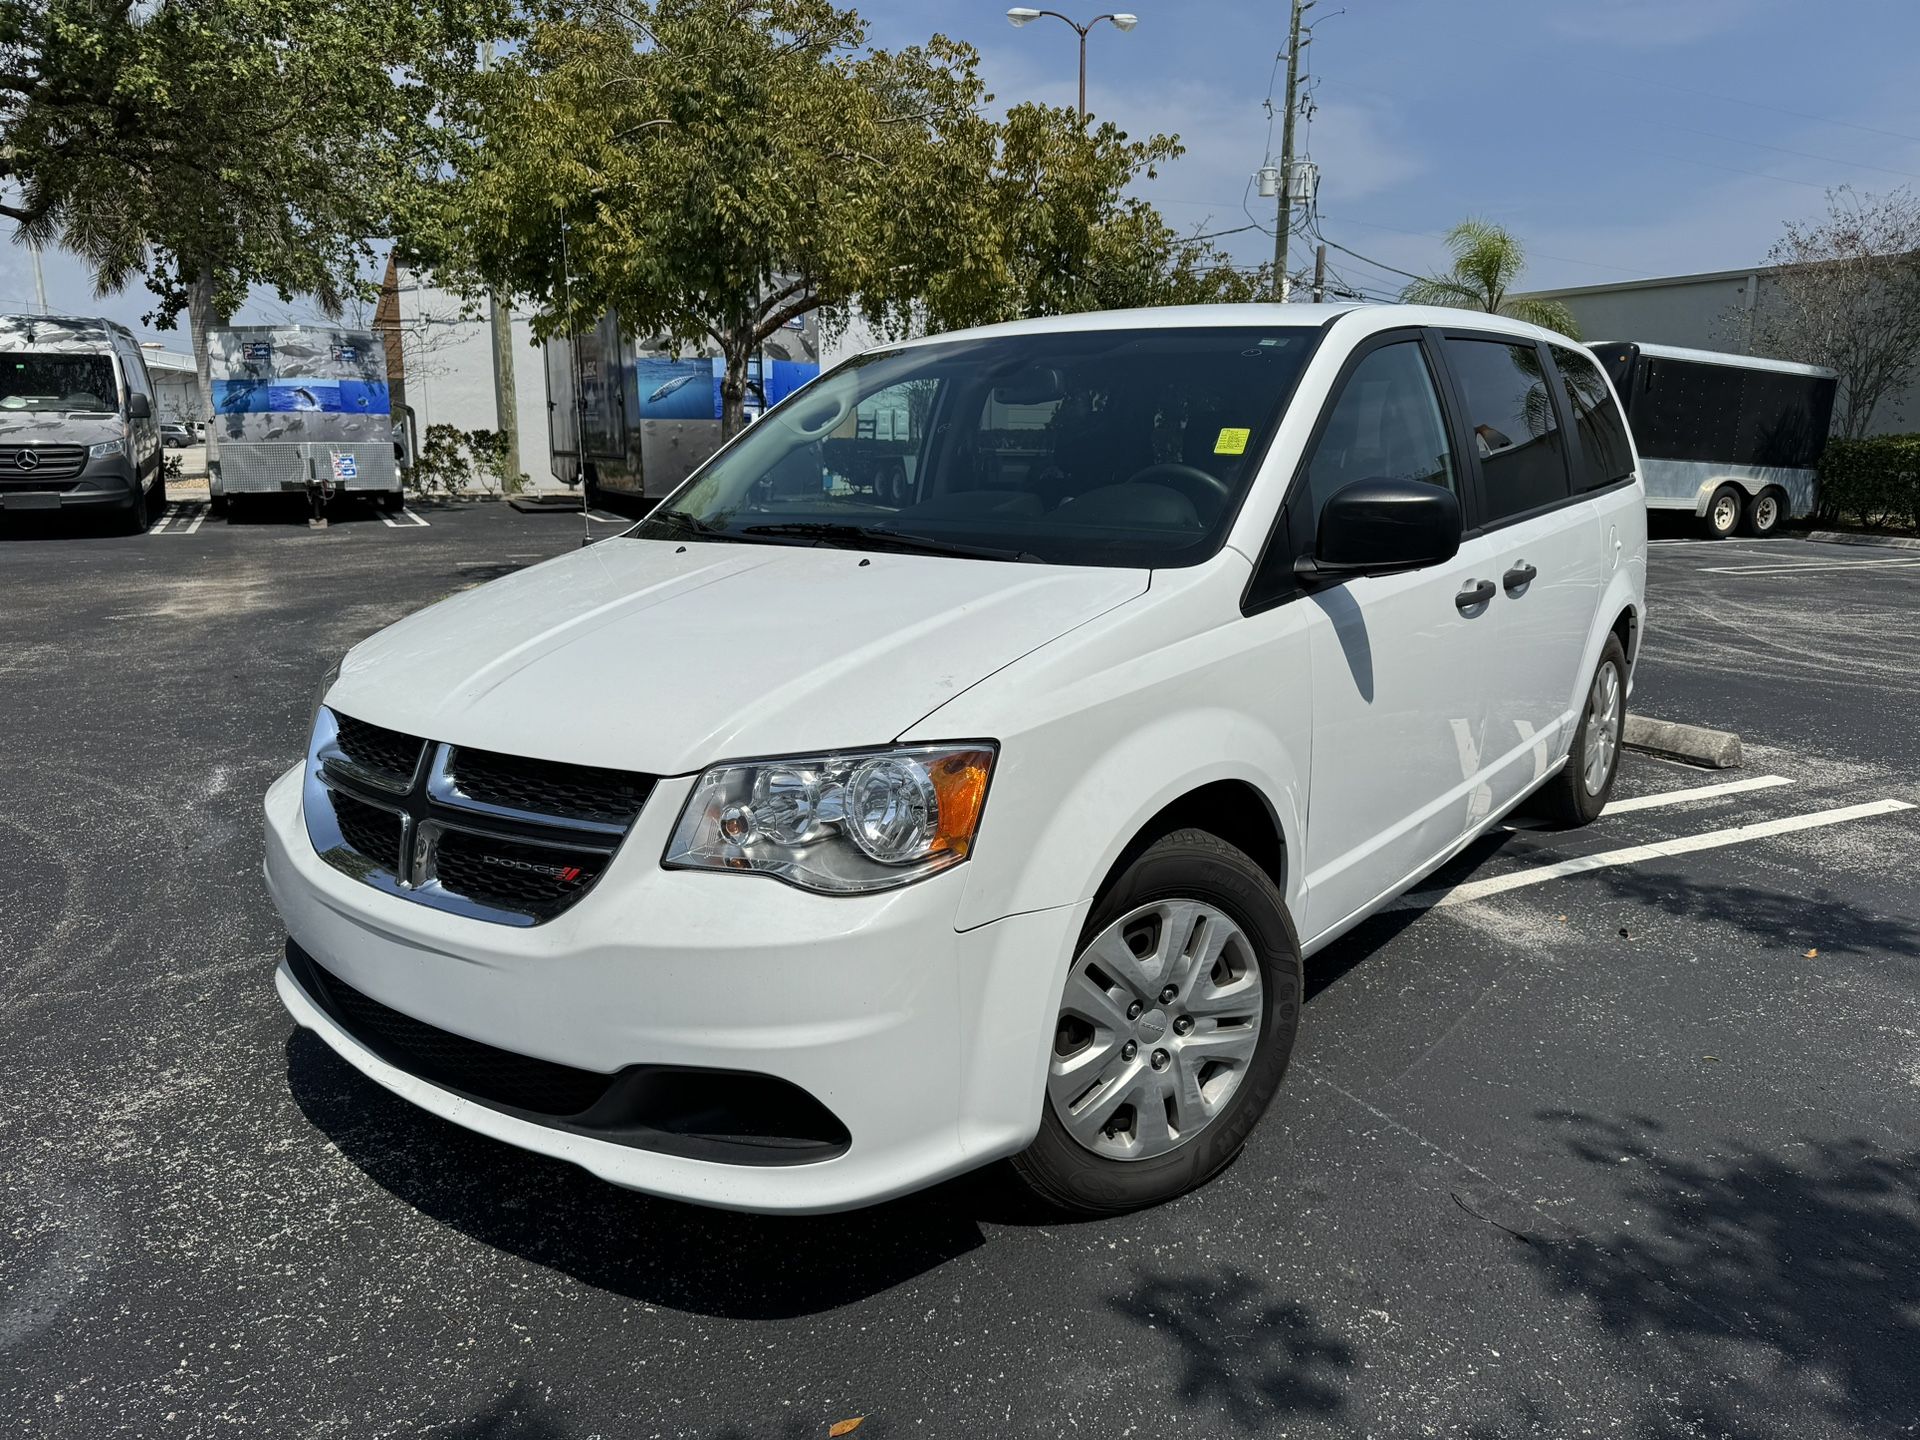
{"x": 1025, "y": 15}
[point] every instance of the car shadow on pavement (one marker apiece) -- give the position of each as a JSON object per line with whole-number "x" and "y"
{"x": 1774, "y": 1284}
{"x": 661, "y": 1252}
{"x": 1246, "y": 1352}
{"x": 1817, "y": 920}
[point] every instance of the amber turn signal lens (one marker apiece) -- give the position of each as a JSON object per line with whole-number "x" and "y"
{"x": 960, "y": 784}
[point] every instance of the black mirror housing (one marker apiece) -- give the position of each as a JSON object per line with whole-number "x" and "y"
{"x": 139, "y": 407}
{"x": 1381, "y": 527}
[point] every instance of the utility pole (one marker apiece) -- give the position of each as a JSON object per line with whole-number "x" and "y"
{"x": 39, "y": 280}
{"x": 1319, "y": 273}
{"x": 506, "y": 403}
{"x": 1285, "y": 223}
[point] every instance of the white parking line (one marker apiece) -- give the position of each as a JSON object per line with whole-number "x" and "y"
{"x": 599, "y": 518}
{"x": 179, "y": 518}
{"x": 1808, "y": 567}
{"x": 405, "y": 518}
{"x": 1698, "y": 792}
{"x": 1633, "y": 854}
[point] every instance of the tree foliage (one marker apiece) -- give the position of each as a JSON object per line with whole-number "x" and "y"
{"x": 1847, "y": 296}
{"x": 208, "y": 146}
{"x": 1071, "y": 238}
{"x": 716, "y": 168}
{"x": 712, "y": 169}
{"x": 1487, "y": 262}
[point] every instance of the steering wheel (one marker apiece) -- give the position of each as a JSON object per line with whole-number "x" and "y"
{"x": 1199, "y": 486}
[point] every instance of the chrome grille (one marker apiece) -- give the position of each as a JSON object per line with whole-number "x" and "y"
{"x": 494, "y": 837}
{"x": 41, "y": 463}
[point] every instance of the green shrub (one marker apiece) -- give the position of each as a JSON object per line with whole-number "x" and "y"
{"x": 1875, "y": 481}
{"x": 452, "y": 460}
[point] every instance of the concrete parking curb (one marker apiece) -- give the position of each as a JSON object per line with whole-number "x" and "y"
{"x": 1695, "y": 744}
{"x": 1848, "y": 537}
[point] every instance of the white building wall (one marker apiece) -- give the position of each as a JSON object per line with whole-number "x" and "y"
{"x": 447, "y": 351}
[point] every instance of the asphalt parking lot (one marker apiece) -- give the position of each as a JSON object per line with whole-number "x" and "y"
{"x": 1612, "y": 1133}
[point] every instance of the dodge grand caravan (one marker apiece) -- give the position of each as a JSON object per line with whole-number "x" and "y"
{"x": 961, "y": 764}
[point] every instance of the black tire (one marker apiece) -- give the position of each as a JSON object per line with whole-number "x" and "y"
{"x": 1725, "y": 511}
{"x": 232, "y": 508}
{"x": 1566, "y": 800}
{"x": 590, "y": 488}
{"x": 216, "y": 504}
{"x": 1186, "y": 865}
{"x": 157, "y": 499}
{"x": 1766, "y": 513}
{"x": 393, "y": 501}
{"x": 138, "y": 516}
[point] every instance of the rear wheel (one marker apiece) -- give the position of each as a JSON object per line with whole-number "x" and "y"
{"x": 1723, "y": 511}
{"x": 1173, "y": 1033}
{"x": 393, "y": 500}
{"x": 1766, "y": 513}
{"x": 138, "y": 515}
{"x": 1578, "y": 794}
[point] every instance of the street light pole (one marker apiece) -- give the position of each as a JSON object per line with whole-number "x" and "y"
{"x": 1025, "y": 15}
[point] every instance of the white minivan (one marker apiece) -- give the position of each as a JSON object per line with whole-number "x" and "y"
{"x": 860, "y": 818}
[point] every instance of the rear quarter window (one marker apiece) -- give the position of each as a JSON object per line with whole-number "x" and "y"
{"x": 1605, "y": 455}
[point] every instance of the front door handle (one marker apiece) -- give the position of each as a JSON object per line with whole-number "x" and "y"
{"x": 1473, "y": 594}
{"x": 1519, "y": 577}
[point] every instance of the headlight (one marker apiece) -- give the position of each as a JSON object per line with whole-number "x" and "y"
{"x": 840, "y": 824}
{"x": 106, "y": 448}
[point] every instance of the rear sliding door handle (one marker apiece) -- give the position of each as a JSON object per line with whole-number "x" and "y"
{"x": 1519, "y": 577}
{"x": 1473, "y": 594}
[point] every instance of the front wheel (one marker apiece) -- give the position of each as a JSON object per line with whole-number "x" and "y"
{"x": 1173, "y": 1033}
{"x": 1723, "y": 512}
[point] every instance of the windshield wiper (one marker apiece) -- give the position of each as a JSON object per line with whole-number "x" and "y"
{"x": 880, "y": 538}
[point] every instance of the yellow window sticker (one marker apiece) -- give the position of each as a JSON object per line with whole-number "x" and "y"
{"x": 1231, "y": 442}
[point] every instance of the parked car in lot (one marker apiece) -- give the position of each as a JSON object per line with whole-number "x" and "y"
{"x": 77, "y": 430}
{"x": 814, "y": 840}
{"x": 1733, "y": 439}
{"x": 177, "y": 437}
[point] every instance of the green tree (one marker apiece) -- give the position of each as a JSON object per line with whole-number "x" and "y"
{"x": 1071, "y": 238}
{"x": 714, "y": 169}
{"x": 210, "y": 146}
{"x": 1487, "y": 261}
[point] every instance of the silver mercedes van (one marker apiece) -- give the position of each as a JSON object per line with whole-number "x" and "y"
{"x": 77, "y": 428}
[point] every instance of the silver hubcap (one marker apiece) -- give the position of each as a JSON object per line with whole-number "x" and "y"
{"x": 1603, "y": 728}
{"x": 1160, "y": 1020}
{"x": 1765, "y": 512}
{"x": 1726, "y": 511}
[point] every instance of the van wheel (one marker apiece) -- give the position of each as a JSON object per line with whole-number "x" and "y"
{"x": 1174, "y": 1031}
{"x": 1578, "y": 794}
{"x": 1723, "y": 512}
{"x": 1766, "y": 512}
{"x": 138, "y": 518}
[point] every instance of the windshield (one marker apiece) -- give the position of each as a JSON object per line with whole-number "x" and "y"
{"x": 1095, "y": 447}
{"x": 57, "y": 382}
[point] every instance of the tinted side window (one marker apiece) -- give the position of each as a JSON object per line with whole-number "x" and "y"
{"x": 1386, "y": 425}
{"x": 1605, "y": 455}
{"x": 1510, "y": 415}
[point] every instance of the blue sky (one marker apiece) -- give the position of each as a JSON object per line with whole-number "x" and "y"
{"x": 1617, "y": 137}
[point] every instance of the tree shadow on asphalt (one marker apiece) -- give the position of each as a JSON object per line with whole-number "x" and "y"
{"x": 1809, "y": 1256}
{"x": 712, "y": 1262}
{"x": 1245, "y": 1352}
{"x": 1818, "y": 920}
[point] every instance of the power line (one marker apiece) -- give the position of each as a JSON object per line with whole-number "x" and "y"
{"x": 1730, "y": 169}
{"x": 1781, "y": 149}
{"x": 1429, "y": 235}
{"x": 1759, "y": 105}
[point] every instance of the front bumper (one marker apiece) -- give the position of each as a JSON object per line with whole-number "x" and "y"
{"x": 109, "y": 482}
{"x": 928, "y": 1044}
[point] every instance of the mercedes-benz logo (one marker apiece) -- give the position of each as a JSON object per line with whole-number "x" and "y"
{"x": 26, "y": 460}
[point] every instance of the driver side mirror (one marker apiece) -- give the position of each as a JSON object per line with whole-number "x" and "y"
{"x": 139, "y": 407}
{"x": 1382, "y": 527}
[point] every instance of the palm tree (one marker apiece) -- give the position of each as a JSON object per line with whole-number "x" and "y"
{"x": 1486, "y": 261}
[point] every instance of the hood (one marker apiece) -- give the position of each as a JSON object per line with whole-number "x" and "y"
{"x": 58, "y": 427}
{"x": 646, "y": 655}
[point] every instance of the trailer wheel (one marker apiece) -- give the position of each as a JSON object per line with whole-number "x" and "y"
{"x": 392, "y": 500}
{"x": 1766, "y": 513}
{"x": 216, "y": 504}
{"x": 233, "y": 509}
{"x": 1724, "y": 511}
